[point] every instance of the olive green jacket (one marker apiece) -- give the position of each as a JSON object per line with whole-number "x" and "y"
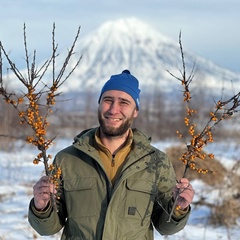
{"x": 91, "y": 208}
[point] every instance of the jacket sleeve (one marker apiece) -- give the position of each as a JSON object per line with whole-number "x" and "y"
{"x": 163, "y": 204}
{"x": 161, "y": 221}
{"x": 49, "y": 221}
{"x": 46, "y": 223}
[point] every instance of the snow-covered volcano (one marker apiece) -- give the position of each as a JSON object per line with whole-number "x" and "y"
{"x": 134, "y": 45}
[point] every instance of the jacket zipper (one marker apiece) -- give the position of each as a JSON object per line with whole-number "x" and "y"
{"x": 113, "y": 161}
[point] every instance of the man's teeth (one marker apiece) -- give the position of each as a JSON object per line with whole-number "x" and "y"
{"x": 114, "y": 119}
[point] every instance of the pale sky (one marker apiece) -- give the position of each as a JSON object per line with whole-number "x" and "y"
{"x": 210, "y": 28}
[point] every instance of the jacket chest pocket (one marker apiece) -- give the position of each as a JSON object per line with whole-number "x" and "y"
{"x": 80, "y": 195}
{"x": 140, "y": 195}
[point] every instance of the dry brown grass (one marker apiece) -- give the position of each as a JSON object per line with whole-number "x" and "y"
{"x": 226, "y": 213}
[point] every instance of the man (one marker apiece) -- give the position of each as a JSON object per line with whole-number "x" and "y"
{"x": 114, "y": 184}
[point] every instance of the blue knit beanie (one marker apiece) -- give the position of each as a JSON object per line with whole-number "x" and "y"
{"x": 123, "y": 82}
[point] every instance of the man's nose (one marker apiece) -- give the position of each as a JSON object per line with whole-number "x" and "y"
{"x": 114, "y": 107}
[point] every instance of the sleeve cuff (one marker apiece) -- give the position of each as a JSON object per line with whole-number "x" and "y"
{"x": 179, "y": 213}
{"x": 41, "y": 214}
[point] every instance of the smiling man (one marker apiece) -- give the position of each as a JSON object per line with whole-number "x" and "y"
{"x": 114, "y": 185}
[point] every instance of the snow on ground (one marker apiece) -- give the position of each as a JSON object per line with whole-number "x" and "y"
{"x": 18, "y": 175}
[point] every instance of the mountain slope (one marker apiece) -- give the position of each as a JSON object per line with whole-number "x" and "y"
{"x": 134, "y": 45}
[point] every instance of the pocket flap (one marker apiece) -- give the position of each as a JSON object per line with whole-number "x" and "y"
{"x": 73, "y": 184}
{"x": 141, "y": 186}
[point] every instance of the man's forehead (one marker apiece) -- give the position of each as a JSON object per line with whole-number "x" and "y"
{"x": 117, "y": 94}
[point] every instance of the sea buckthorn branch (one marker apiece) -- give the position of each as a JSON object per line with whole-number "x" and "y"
{"x": 200, "y": 139}
{"x": 223, "y": 110}
{"x": 35, "y": 103}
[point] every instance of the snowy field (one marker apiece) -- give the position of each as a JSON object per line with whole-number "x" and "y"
{"x": 18, "y": 175}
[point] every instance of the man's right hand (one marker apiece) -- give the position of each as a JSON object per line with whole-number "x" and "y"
{"x": 42, "y": 193}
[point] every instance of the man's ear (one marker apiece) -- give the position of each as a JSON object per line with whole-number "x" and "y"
{"x": 135, "y": 113}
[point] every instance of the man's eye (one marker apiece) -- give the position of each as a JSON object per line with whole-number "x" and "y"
{"x": 107, "y": 100}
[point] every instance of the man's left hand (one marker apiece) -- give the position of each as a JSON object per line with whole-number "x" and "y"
{"x": 185, "y": 193}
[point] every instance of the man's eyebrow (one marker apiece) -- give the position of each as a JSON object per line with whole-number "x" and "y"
{"x": 124, "y": 99}
{"x": 108, "y": 97}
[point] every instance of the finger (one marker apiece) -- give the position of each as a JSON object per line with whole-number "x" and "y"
{"x": 43, "y": 189}
{"x": 183, "y": 183}
{"x": 44, "y": 182}
{"x": 53, "y": 189}
{"x": 183, "y": 180}
{"x": 39, "y": 190}
{"x": 44, "y": 179}
{"x": 186, "y": 193}
{"x": 42, "y": 197}
{"x": 41, "y": 184}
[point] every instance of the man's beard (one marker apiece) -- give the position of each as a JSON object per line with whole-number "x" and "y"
{"x": 113, "y": 131}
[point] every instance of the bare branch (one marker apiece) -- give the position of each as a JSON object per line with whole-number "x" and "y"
{"x": 13, "y": 68}
{"x": 53, "y": 53}
{"x": 26, "y": 51}
{"x": 70, "y": 53}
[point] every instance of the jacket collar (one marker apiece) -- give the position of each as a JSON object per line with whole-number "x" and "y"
{"x": 85, "y": 141}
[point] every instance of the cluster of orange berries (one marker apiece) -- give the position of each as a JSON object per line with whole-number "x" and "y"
{"x": 32, "y": 117}
{"x": 197, "y": 142}
{"x": 8, "y": 100}
{"x": 192, "y": 127}
{"x": 186, "y": 93}
{"x": 228, "y": 113}
{"x": 55, "y": 175}
{"x": 219, "y": 104}
{"x": 188, "y": 160}
{"x": 177, "y": 208}
{"x": 39, "y": 142}
{"x": 209, "y": 134}
{"x": 40, "y": 157}
{"x": 51, "y": 94}
{"x": 195, "y": 150}
{"x": 213, "y": 117}
{"x": 180, "y": 135}
{"x": 186, "y": 121}
{"x": 190, "y": 111}
{"x": 57, "y": 171}
{"x": 187, "y": 96}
